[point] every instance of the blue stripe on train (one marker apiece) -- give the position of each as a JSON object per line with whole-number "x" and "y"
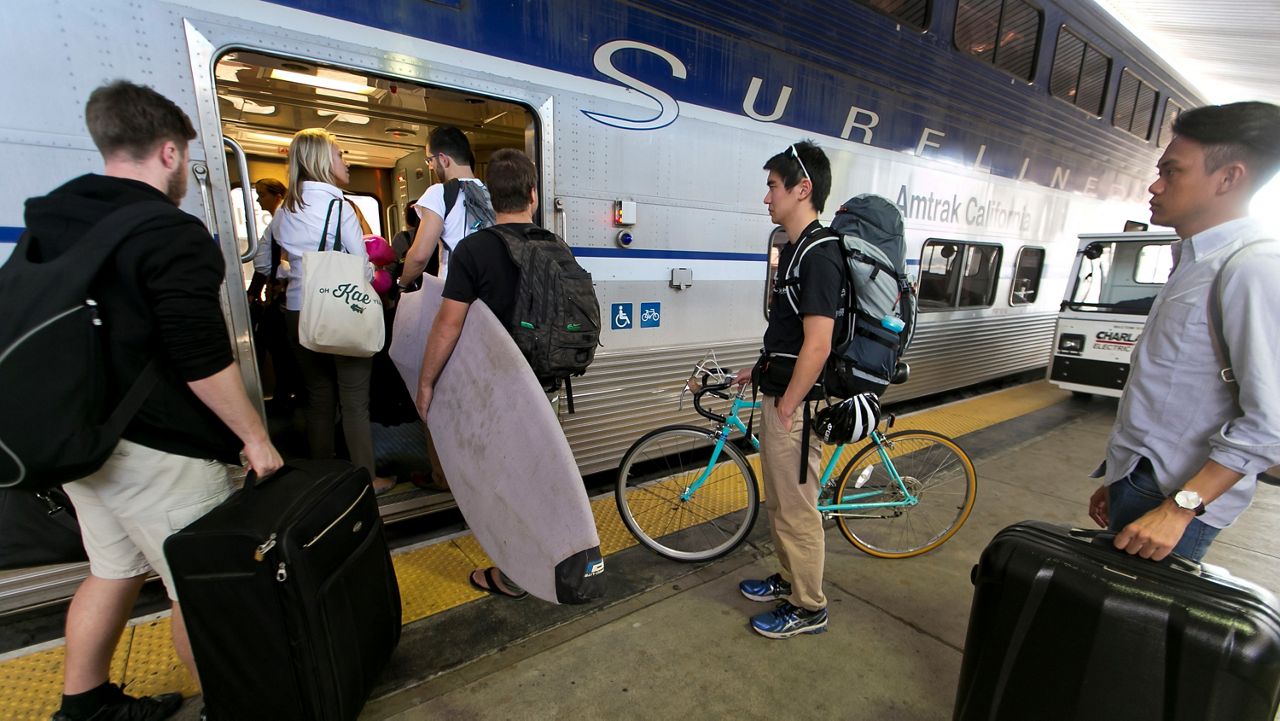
{"x": 9, "y": 234}
{"x": 585, "y": 252}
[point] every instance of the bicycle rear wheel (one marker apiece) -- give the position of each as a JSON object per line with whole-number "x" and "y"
{"x": 655, "y": 473}
{"x": 934, "y": 469}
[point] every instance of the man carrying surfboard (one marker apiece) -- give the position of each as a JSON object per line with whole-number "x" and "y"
{"x": 482, "y": 269}
{"x": 797, "y": 342}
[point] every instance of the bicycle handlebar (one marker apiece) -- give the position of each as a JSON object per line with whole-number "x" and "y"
{"x": 717, "y": 390}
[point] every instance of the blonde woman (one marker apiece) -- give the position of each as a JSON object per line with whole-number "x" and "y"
{"x": 314, "y": 208}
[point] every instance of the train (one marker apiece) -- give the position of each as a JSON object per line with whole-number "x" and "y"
{"x": 1003, "y": 129}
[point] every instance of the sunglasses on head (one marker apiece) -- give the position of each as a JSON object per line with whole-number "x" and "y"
{"x": 795, "y": 154}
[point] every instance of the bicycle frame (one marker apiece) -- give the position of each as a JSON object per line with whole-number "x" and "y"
{"x": 850, "y": 502}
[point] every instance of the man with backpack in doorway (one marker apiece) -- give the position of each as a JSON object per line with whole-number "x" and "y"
{"x": 449, "y": 210}
{"x": 161, "y": 358}
{"x": 515, "y": 265}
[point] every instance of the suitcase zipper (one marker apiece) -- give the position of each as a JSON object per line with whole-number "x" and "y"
{"x": 261, "y": 551}
{"x": 341, "y": 516}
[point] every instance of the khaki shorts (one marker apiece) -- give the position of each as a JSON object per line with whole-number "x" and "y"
{"x": 136, "y": 500}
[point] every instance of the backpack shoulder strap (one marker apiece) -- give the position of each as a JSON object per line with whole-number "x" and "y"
{"x": 790, "y": 282}
{"x": 1219, "y": 337}
{"x": 99, "y": 242}
{"x": 451, "y": 188}
{"x": 517, "y": 243}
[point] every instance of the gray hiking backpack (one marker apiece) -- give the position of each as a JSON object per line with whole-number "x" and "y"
{"x": 475, "y": 203}
{"x": 878, "y": 319}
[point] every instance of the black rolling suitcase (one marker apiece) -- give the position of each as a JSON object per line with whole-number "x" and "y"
{"x": 1064, "y": 627}
{"x": 289, "y": 596}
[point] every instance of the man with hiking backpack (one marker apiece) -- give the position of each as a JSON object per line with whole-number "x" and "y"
{"x": 449, "y": 210}
{"x": 150, "y": 279}
{"x": 797, "y": 343}
{"x": 516, "y": 265}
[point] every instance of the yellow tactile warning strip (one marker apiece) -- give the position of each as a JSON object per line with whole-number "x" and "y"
{"x": 433, "y": 578}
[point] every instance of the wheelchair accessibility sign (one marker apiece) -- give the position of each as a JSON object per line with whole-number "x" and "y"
{"x": 650, "y": 315}
{"x": 620, "y": 315}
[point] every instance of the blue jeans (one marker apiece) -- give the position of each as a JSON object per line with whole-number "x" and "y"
{"x": 1134, "y": 495}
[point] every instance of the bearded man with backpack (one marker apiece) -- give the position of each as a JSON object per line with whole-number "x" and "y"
{"x": 528, "y": 278}
{"x": 451, "y": 209}
{"x": 154, "y": 277}
{"x": 797, "y": 344}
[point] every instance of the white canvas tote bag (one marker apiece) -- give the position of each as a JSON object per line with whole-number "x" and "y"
{"x": 341, "y": 313}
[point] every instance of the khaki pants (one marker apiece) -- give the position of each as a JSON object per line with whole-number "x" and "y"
{"x": 794, "y": 522}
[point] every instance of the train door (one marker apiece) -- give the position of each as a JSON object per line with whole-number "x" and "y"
{"x": 1115, "y": 280}
{"x": 382, "y": 125}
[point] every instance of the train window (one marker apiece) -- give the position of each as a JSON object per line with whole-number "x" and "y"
{"x": 1026, "y": 276}
{"x": 1135, "y": 105}
{"x": 957, "y": 275}
{"x": 909, "y": 12}
{"x": 1004, "y": 33}
{"x": 1079, "y": 73}
{"x": 1171, "y": 112}
{"x": 1155, "y": 262}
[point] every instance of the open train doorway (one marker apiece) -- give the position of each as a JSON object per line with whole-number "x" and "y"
{"x": 382, "y": 125}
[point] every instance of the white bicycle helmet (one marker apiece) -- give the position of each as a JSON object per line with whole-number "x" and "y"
{"x": 849, "y": 420}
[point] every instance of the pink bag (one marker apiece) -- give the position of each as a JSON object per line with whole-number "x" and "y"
{"x": 379, "y": 250}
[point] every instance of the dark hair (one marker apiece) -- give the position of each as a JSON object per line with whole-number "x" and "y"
{"x": 411, "y": 218}
{"x": 270, "y": 185}
{"x": 814, "y": 161}
{"x": 510, "y": 178}
{"x": 1247, "y": 133}
{"x": 134, "y": 119}
{"x": 448, "y": 140}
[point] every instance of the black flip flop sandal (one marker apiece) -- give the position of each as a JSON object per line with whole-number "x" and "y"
{"x": 494, "y": 587}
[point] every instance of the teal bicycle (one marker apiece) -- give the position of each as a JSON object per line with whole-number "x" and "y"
{"x": 690, "y": 493}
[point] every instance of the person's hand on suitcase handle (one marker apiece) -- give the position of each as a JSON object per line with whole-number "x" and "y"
{"x": 1155, "y": 534}
{"x": 263, "y": 458}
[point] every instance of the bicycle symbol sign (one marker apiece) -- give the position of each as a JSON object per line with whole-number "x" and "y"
{"x": 620, "y": 316}
{"x": 650, "y": 315}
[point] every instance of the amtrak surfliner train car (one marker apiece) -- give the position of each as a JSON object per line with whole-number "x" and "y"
{"x": 1002, "y": 128}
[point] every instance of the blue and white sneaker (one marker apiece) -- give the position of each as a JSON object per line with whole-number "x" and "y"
{"x": 772, "y": 588}
{"x": 787, "y": 620}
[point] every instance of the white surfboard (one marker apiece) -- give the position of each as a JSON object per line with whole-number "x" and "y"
{"x": 509, "y": 465}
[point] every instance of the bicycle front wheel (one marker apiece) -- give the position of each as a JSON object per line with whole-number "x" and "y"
{"x": 935, "y": 471}
{"x": 652, "y": 482}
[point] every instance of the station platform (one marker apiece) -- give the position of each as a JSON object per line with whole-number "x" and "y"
{"x": 671, "y": 640}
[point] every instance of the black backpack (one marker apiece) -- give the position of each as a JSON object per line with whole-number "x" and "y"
{"x": 556, "y": 319}
{"x": 877, "y": 322}
{"x": 53, "y": 376}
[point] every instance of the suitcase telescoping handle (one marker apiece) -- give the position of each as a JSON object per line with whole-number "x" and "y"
{"x": 1106, "y": 539}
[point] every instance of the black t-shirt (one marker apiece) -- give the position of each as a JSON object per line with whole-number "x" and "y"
{"x": 821, "y": 283}
{"x": 481, "y": 269}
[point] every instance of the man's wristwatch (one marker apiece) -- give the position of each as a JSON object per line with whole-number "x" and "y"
{"x": 1190, "y": 500}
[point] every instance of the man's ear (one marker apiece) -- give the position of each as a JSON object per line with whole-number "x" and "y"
{"x": 1235, "y": 176}
{"x": 533, "y": 198}
{"x": 170, "y": 154}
